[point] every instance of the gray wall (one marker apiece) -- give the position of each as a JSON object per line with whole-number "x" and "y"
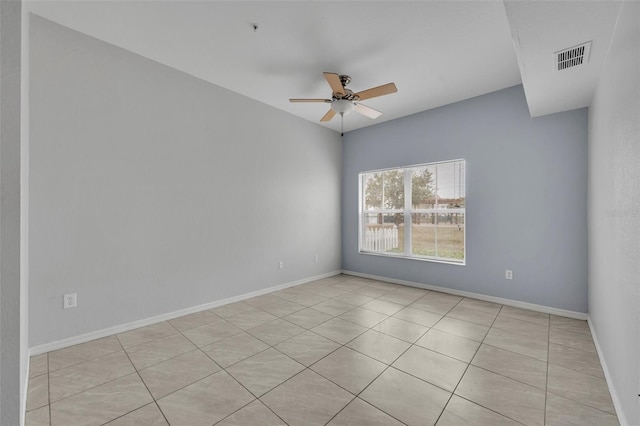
{"x": 153, "y": 191}
{"x": 526, "y": 197}
{"x": 614, "y": 214}
{"x": 12, "y": 355}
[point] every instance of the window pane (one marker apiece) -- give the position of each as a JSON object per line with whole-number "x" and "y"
{"x": 450, "y": 238}
{"x": 383, "y": 190}
{"x": 423, "y": 187}
{"x": 450, "y": 182}
{"x": 372, "y": 191}
{"x": 383, "y": 233}
{"x": 423, "y": 234}
{"x": 438, "y": 235}
{"x": 394, "y": 189}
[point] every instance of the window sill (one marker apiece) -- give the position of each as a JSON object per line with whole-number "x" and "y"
{"x": 420, "y": 259}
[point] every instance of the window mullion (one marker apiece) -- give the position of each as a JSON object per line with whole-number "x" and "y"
{"x": 435, "y": 229}
{"x": 407, "y": 212}
{"x": 361, "y": 207}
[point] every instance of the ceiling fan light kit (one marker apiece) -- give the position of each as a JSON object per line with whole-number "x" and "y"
{"x": 342, "y": 106}
{"x": 343, "y": 100}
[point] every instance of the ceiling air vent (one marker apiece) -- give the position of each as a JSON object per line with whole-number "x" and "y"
{"x": 571, "y": 57}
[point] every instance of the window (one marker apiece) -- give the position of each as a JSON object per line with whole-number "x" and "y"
{"x": 429, "y": 198}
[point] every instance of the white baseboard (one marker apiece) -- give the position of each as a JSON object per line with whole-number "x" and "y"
{"x": 70, "y": 341}
{"x": 500, "y": 300}
{"x": 603, "y": 363}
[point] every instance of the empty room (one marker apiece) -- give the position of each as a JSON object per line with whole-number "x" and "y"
{"x": 319, "y": 213}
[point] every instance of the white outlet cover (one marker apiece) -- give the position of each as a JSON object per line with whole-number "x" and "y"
{"x": 70, "y": 300}
{"x": 508, "y": 274}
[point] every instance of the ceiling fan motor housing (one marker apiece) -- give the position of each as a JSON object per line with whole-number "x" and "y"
{"x": 348, "y": 93}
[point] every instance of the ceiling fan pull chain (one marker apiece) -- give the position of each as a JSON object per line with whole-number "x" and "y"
{"x": 342, "y": 124}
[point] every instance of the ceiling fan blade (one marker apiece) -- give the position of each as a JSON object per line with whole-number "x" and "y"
{"x": 367, "y": 111}
{"x": 385, "y": 89}
{"x": 310, "y": 100}
{"x": 334, "y": 81}
{"x": 328, "y": 116}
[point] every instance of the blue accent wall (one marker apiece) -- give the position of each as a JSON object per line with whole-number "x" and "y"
{"x": 526, "y": 207}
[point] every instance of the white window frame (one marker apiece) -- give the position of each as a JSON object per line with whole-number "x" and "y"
{"x": 407, "y": 211}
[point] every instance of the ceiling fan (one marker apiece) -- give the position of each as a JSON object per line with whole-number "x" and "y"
{"x": 343, "y": 100}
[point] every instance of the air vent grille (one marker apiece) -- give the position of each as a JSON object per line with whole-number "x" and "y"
{"x": 572, "y": 57}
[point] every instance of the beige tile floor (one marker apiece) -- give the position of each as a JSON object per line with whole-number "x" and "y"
{"x": 339, "y": 351}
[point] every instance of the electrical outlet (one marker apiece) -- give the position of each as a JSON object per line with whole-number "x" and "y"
{"x": 508, "y": 274}
{"x": 316, "y": 257}
{"x": 281, "y": 264}
{"x": 70, "y": 300}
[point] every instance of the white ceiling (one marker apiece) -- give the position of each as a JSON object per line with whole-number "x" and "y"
{"x": 542, "y": 27}
{"x": 437, "y": 52}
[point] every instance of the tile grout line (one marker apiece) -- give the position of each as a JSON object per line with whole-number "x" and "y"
{"x": 221, "y": 367}
{"x": 505, "y": 350}
{"x": 92, "y": 387}
{"x": 328, "y": 354}
{"x": 256, "y": 398}
{"x": 270, "y": 347}
{"x": 153, "y": 399}
{"x": 506, "y": 377}
{"x": 344, "y": 345}
{"x": 433, "y": 327}
{"x": 368, "y": 403}
{"x": 48, "y": 390}
{"x": 357, "y": 396}
{"x": 247, "y": 404}
{"x": 546, "y": 382}
{"x": 573, "y": 370}
{"x": 470, "y": 362}
{"x": 197, "y": 348}
{"x": 585, "y": 405}
{"x": 342, "y": 409}
{"x": 465, "y": 372}
{"x": 453, "y": 392}
{"x": 390, "y": 365}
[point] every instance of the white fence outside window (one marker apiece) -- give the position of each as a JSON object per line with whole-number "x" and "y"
{"x": 380, "y": 238}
